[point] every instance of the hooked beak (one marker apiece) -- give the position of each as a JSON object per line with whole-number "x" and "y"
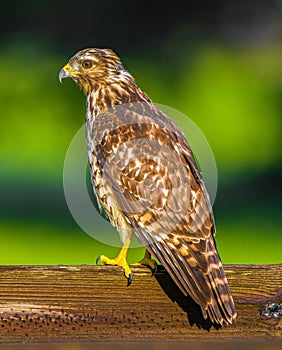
{"x": 64, "y": 72}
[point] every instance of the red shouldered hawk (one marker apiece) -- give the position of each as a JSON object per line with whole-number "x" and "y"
{"x": 145, "y": 178}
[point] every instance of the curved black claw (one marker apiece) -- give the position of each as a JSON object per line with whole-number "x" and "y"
{"x": 155, "y": 269}
{"x": 98, "y": 259}
{"x": 129, "y": 280}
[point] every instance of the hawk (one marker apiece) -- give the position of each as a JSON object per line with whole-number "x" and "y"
{"x": 146, "y": 180}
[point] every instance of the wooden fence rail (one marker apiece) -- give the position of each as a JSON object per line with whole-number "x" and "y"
{"x": 86, "y": 303}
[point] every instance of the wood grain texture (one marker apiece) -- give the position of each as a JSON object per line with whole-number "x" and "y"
{"x": 80, "y": 303}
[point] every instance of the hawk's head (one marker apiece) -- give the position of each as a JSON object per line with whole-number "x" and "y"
{"x": 90, "y": 68}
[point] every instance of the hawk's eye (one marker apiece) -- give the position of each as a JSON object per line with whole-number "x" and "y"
{"x": 87, "y": 64}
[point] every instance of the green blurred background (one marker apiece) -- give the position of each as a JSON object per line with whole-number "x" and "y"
{"x": 219, "y": 62}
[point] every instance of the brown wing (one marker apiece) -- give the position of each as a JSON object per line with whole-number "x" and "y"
{"x": 157, "y": 185}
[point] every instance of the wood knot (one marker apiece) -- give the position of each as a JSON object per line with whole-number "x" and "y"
{"x": 272, "y": 310}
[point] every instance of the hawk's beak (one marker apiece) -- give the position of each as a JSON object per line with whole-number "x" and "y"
{"x": 64, "y": 72}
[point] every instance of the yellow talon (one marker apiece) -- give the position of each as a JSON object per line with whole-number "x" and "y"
{"x": 120, "y": 260}
{"x": 148, "y": 261}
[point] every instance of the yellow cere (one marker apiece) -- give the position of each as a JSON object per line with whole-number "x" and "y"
{"x": 67, "y": 68}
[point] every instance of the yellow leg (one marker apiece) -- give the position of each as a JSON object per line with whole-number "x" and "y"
{"x": 120, "y": 260}
{"x": 148, "y": 261}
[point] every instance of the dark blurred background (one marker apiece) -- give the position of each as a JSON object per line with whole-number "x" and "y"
{"x": 219, "y": 62}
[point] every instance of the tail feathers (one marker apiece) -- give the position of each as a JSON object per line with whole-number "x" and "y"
{"x": 222, "y": 305}
{"x": 197, "y": 273}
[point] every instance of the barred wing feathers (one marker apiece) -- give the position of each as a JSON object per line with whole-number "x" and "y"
{"x": 155, "y": 180}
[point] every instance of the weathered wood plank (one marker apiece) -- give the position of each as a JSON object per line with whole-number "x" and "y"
{"x": 62, "y": 303}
